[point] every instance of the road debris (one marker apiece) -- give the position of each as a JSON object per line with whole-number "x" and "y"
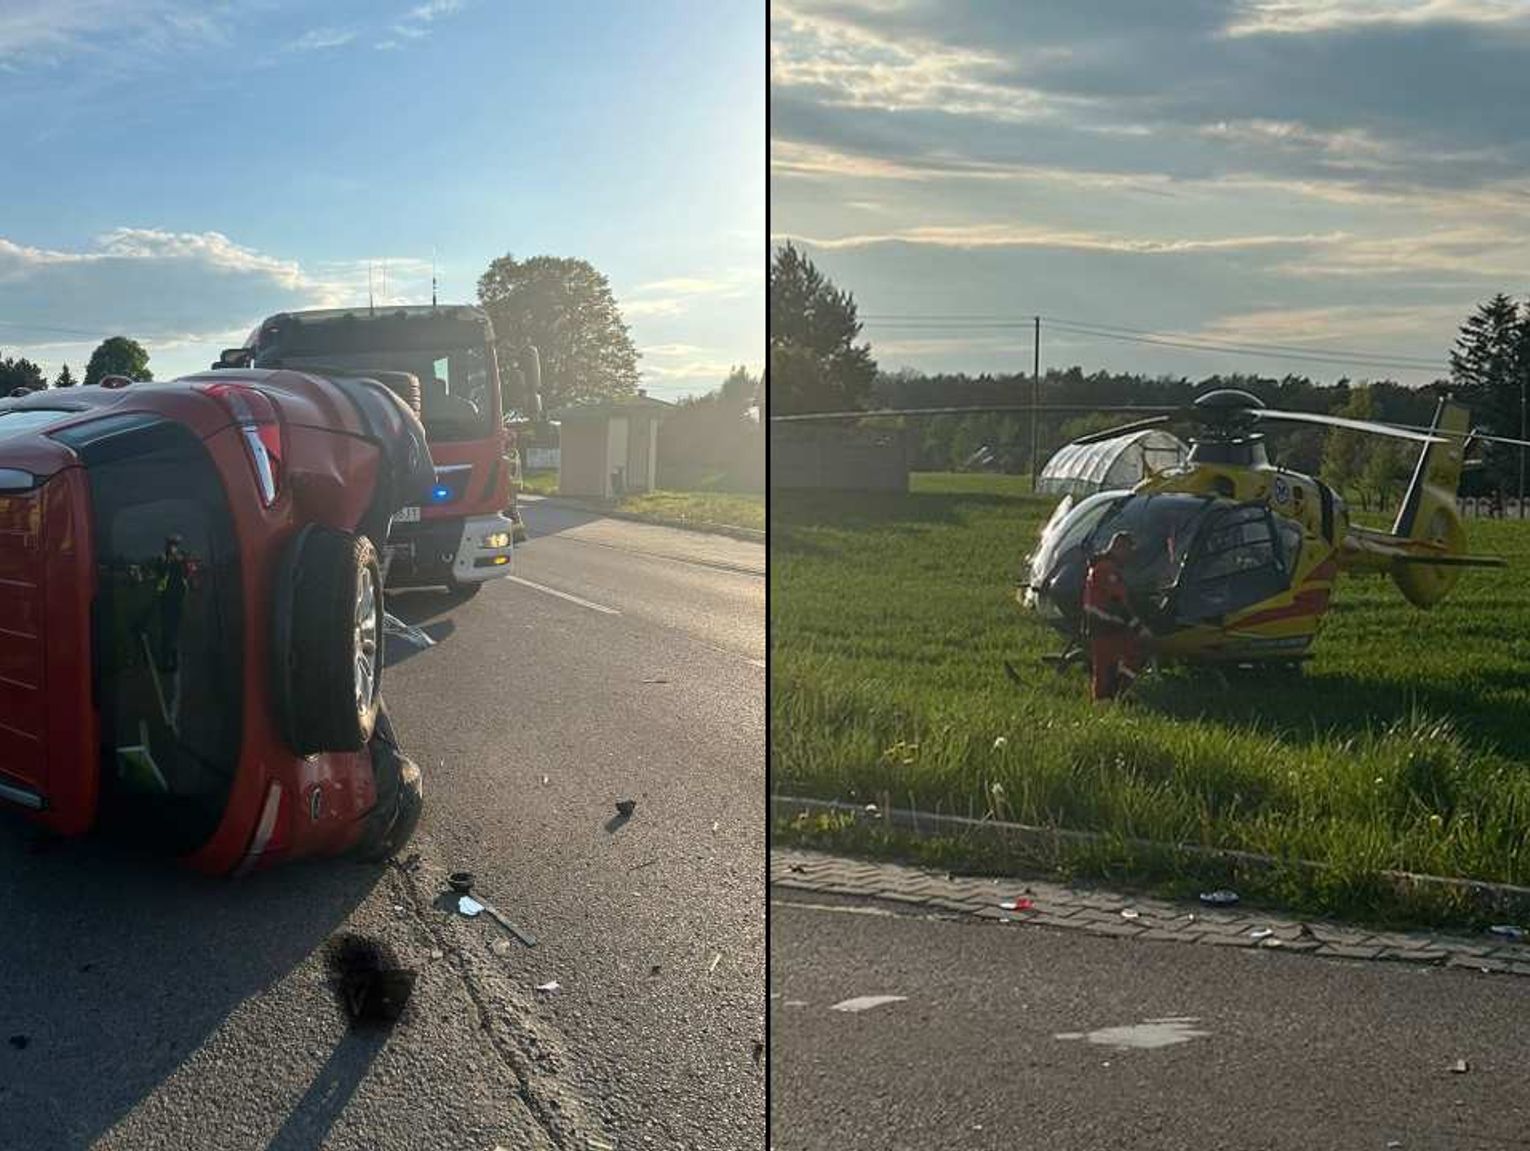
{"x": 625, "y": 807}
{"x": 1507, "y": 931}
{"x": 866, "y": 1003}
{"x": 546, "y": 780}
{"x": 1219, "y": 898}
{"x": 393, "y": 626}
{"x": 1130, "y": 913}
{"x": 461, "y": 882}
{"x": 1261, "y": 933}
{"x": 656, "y": 680}
{"x": 19, "y": 1042}
{"x": 1460, "y": 1067}
{"x": 437, "y": 953}
{"x": 469, "y": 906}
{"x": 759, "y": 1050}
{"x": 716, "y": 959}
{"x": 500, "y": 946}
{"x": 1019, "y": 903}
{"x": 653, "y": 969}
{"x": 550, "y": 988}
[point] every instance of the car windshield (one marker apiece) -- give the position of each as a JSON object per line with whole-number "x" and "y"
{"x": 457, "y": 399}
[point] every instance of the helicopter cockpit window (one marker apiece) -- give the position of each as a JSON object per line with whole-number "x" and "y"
{"x": 1237, "y": 562}
{"x": 1163, "y": 527}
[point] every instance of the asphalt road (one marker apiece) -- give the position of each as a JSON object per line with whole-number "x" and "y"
{"x": 1013, "y": 1036}
{"x": 145, "y": 1007}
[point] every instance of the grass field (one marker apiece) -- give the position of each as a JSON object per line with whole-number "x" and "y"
{"x": 1405, "y": 743}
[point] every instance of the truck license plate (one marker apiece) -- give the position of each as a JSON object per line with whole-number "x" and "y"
{"x": 407, "y": 516}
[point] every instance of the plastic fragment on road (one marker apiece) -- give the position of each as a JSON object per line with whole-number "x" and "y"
{"x": 19, "y": 1042}
{"x": 546, "y": 780}
{"x": 1019, "y": 903}
{"x": 550, "y": 988}
{"x": 1130, "y": 913}
{"x": 1219, "y": 898}
{"x": 866, "y": 1003}
{"x": 1000, "y": 743}
{"x": 1460, "y": 1067}
{"x": 1261, "y": 933}
{"x": 467, "y": 905}
{"x": 407, "y": 632}
{"x": 1507, "y": 931}
{"x": 716, "y": 959}
{"x": 625, "y": 807}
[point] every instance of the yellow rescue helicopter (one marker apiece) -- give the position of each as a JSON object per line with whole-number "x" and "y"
{"x": 1236, "y": 558}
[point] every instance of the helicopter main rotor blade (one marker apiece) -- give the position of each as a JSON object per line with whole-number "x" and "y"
{"x": 972, "y": 410}
{"x": 1344, "y": 422}
{"x": 1126, "y": 429}
{"x": 1471, "y": 435}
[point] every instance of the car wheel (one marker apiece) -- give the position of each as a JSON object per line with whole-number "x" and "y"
{"x": 329, "y": 622}
{"x": 462, "y": 592}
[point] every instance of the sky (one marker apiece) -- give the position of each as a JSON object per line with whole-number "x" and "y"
{"x": 176, "y": 170}
{"x": 1320, "y": 187}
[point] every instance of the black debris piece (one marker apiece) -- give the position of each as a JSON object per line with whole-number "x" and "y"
{"x": 19, "y": 1042}
{"x": 372, "y": 986}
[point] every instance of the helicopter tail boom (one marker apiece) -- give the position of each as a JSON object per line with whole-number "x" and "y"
{"x": 1426, "y": 547}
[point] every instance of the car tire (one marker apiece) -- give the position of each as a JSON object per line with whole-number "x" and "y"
{"x": 400, "y": 799}
{"x": 462, "y": 592}
{"x": 328, "y": 646}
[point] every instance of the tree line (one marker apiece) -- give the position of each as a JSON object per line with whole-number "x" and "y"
{"x": 819, "y": 363}
{"x": 114, "y": 356}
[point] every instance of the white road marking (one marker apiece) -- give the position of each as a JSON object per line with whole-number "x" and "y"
{"x": 564, "y": 595}
{"x": 867, "y": 1002}
{"x": 1148, "y": 1035}
{"x": 841, "y": 909}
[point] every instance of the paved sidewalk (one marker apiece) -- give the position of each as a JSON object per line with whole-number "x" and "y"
{"x": 1100, "y": 912}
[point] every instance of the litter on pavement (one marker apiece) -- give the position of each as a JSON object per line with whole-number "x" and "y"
{"x": 1019, "y": 903}
{"x": 394, "y": 626}
{"x": 469, "y": 906}
{"x": 1460, "y": 1067}
{"x": 625, "y": 807}
{"x": 1219, "y": 898}
{"x": 1507, "y": 931}
{"x": 549, "y": 988}
{"x": 866, "y": 1003}
{"x": 1261, "y": 933}
{"x": 1130, "y": 913}
{"x": 716, "y": 959}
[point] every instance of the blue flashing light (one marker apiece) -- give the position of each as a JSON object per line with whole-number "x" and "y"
{"x": 440, "y": 494}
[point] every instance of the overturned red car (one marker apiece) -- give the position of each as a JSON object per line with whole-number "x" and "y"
{"x": 191, "y": 626}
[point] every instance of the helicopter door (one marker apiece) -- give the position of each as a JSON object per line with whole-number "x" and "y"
{"x": 1236, "y": 563}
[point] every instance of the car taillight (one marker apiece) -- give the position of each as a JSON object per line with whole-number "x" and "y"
{"x": 256, "y": 416}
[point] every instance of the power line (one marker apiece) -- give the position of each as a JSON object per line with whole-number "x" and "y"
{"x": 974, "y": 322}
{"x": 48, "y": 328}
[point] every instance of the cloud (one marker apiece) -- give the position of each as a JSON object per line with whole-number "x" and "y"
{"x": 319, "y": 39}
{"x": 417, "y": 22}
{"x": 1008, "y": 236}
{"x": 171, "y": 290}
{"x": 674, "y": 296}
{"x": 45, "y": 33}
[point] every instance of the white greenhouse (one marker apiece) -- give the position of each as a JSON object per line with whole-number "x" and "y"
{"x": 1111, "y": 465}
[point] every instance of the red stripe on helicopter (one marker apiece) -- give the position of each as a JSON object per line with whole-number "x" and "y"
{"x": 1308, "y": 601}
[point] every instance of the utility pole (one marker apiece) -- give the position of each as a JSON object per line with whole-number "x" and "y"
{"x": 1036, "y": 409}
{"x": 1522, "y": 446}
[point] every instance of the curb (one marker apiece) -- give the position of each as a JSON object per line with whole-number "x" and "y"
{"x": 1506, "y": 902}
{"x": 1093, "y": 911}
{"x": 706, "y": 527}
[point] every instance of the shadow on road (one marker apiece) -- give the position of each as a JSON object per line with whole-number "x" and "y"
{"x": 308, "y": 1125}
{"x": 117, "y": 968}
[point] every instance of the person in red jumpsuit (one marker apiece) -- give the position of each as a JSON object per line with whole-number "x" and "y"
{"x": 1108, "y": 620}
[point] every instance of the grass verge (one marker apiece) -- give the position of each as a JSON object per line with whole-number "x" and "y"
{"x": 1403, "y": 746}
{"x": 540, "y": 482}
{"x": 729, "y": 509}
